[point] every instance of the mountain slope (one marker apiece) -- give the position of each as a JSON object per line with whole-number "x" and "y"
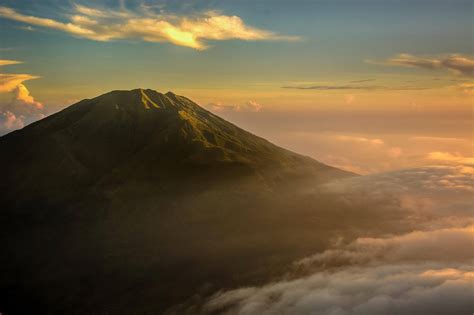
{"x": 113, "y": 204}
{"x": 144, "y": 136}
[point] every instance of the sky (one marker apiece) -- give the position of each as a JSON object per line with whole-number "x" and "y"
{"x": 367, "y": 86}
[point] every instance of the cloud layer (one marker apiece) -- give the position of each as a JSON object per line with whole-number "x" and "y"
{"x": 189, "y": 31}
{"x": 390, "y": 289}
{"x": 459, "y": 64}
{"x": 425, "y": 271}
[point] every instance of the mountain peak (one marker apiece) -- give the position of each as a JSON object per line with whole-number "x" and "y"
{"x": 142, "y": 135}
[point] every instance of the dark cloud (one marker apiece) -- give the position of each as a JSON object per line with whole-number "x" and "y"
{"x": 361, "y": 81}
{"x": 459, "y": 64}
{"x": 355, "y": 87}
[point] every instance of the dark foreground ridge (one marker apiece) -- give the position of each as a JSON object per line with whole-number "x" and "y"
{"x": 135, "y": 201}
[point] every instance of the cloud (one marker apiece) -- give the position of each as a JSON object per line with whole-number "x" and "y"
{"x": 423, "y": 272}
{"x": 456, "y": 63}
{"x": 427, "y": 270}
{"x": 362, "y": 81}
{"x": 389, "y": 289}
{"x": 424, "y": 180}
{"x": 349, "y": 99}
{"x": 357, "y": 153}
{"x": 8, "y": 62}
{"x": 426, "y": 196}
{"x": 10, "y": 121}
{"x": 440, "y": 245}
{"x": 253, "y": 106}
{"x": 188, "y": 31}
{"x": 429, "y": 138}
{"x": 419, "y": 262}
{"x": 23, "y": 96}
{"x": 449, "y": 157}
{"x": 23, "y": 108}
{"x": 332, "y": 87}
{"x": 359, "y": 139}
{"x": 249, "y": 106}
{"x": 353, "y": 87}
{"x": 9, "y": 82}
{"x": 467, "y": 88}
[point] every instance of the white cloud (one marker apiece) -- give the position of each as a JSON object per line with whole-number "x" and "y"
{"x": 422, "y": 272}
{"x": 389, "y": 289}
{"x": 189, "y": 31}
{"x": 441, "y": 245}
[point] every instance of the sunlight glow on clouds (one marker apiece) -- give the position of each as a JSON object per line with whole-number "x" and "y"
{"x": 467, "y": 88}
{"x": 450, "y": 157}
{"x": 249, "y": 106}
{"x": 188, "y": 31}
{"x": 8, "y": 82}
{"x": 9, "y": 62}
{"x": 23, "y": 108}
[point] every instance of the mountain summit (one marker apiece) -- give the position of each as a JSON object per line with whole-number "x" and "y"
{"x": 135, "y": 201}
{"x": 143, "y": 136}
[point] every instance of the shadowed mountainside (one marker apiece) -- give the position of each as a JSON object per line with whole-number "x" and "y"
{"x": 135, "y": 201}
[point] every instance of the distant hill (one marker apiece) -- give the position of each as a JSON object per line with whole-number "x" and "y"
{"x": 133, "y": 201}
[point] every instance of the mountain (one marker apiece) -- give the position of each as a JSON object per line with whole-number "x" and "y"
{"x": 134, "y": 201}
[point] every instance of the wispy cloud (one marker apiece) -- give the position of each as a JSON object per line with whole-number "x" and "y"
{"x": 189, "y": 31}
{"x": 467, "y": 88}
{"x": 456, "y": 63}
{"x": 359, "y": 139}
{"x": 9, "y": 82}
{"x": 5, "y": 62}
{"x": 353, "y": 87}
{"x": 449, "y": 157}
{"x": 249, "y": 106}
{"x": 362, "y": 81}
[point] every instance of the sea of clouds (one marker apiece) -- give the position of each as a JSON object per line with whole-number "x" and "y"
{"x": 426, "y": 269}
